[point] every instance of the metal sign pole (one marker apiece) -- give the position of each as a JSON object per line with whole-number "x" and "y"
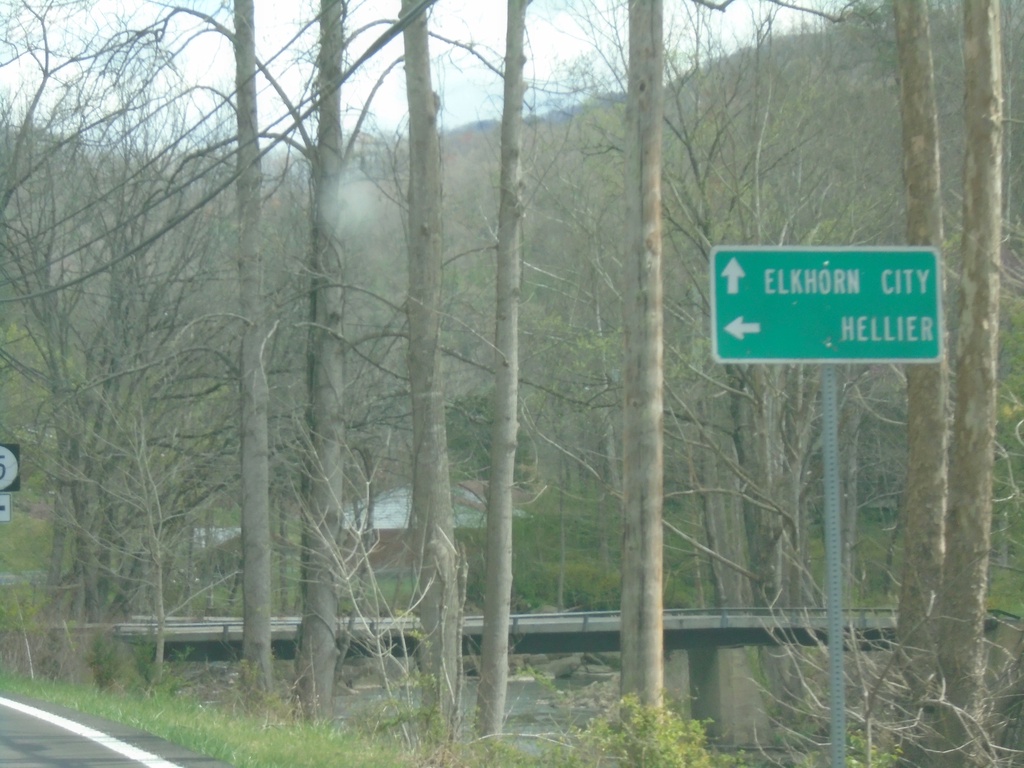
{"x": 833, "y": 565}
{"x": 791, "y": 304}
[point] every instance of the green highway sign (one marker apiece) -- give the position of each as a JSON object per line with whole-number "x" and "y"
{"x": 825, "y": 305}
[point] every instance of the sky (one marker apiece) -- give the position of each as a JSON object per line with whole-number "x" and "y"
{"x": 558, "y": 35}
{"x": 470, "y": 90}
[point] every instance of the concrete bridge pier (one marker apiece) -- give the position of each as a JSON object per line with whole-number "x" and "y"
{"x": 722, "y": 689}
{"x": 677, "y": 682}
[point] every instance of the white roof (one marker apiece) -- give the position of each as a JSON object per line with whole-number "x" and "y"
{"x": 392, "y": 510}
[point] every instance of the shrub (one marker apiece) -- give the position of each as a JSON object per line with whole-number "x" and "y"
{"x": 111, "y": 662}
{"x": 648, "y": 737}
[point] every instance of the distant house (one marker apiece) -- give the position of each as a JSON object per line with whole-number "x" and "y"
{"x": 386, "y": 525}
{"x": 209, "y": 538}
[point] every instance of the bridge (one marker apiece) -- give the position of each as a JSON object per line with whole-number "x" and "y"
{"x": 706, "y": 654}
{"x": 705, "y": 649}
{"x": 220, "y": 638}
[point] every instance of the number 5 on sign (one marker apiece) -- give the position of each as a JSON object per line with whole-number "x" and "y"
{"x": 9, "y": 480}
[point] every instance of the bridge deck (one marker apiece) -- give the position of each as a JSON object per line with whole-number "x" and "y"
{"x": 221, "y": 637}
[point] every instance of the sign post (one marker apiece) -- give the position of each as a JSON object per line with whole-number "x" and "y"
{"x": 827, "y": 306}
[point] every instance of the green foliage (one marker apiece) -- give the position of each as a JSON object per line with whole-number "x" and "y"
{"x": 862, "y": 754}
{"x": 638, "y": 737}
{"x": 587, "y": 586}
{"x": 19, "y": 608}
{"x": 111, "y": 663}
{"x": 469, "y": 433}
{"x": 586, "y": 523}
{"x": 469, "y": 423}
{"x": 385, "y": 717}
{"x": 25, "y": 543}
{"x": 1008, "y": 511}
{"x": 647, "y": 737}
{"x": 118, "y": 666}
{"x": 1004, "y": 593}
{"x": 251, "y": 698}
{"x": 155, "y": 678}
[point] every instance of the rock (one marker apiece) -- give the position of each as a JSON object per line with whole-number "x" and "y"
{"x": 361, "y": 673}
{"x": 563, "y": 667}
{"x": 536, "y": 660}
{"x": 611, "y": 661}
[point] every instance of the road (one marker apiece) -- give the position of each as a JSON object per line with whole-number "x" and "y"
{"x": 37, "y": 735}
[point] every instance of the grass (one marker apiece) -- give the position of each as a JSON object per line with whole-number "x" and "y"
{"x": 244, "y": 741}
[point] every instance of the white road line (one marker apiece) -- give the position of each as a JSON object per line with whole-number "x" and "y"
{"x": 125, "y": 750}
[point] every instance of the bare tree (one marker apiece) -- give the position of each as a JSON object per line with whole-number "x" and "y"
{"x": 642, "y": 654}
{"x": 498, "y": 592}
{"x": 318, "y": 651}
{"x": 433, "y": 516}
{"x": 255, "y": 453}
{"x": 962, "y": 599}
{"x": 927, "y": 396}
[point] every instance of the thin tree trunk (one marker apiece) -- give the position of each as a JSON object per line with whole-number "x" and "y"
{"x": 160, "y": 608}
{"x": 927, "y": 385}
{"x": 969, "y": 516}
{"x": 498, "y": 591}
{"x": 318, "y": 650}
{"x": 256, "y": 578}
{"x": 723, "y": 524}
{"x": 434, "y": 523}
{"x": 643, "y": 450}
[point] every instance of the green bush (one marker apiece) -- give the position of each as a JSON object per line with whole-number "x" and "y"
{"x": 648, "y": 737}
{"x": 863, "y": 754}
{"x": 112, "y": 664}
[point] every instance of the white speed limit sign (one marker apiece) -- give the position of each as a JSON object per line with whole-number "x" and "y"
{"x": 9, "y": 467}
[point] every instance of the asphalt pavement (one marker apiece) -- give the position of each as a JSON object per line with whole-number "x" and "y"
{"x": 40, "y": 735}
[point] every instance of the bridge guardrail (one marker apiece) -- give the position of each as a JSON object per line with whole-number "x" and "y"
{"x": 583, "y": 621}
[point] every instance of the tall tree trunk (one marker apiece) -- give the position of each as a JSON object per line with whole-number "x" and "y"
{"x": 498, "y": 591}
{"x": 968, "y": 519}
{"x": 723, "y": 518}
{"x": 434, "y": 524}
{"x": 318, "y": 650}
{"x": 754, "y": 407}
{"x": 256, "y": 579}
{"x": 643, "y": 449}
{"x": 927, "y": 385}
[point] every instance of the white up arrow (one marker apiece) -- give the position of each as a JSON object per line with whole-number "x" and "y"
{"x": 732, "y": 273}
{"x": 739, "y": 329}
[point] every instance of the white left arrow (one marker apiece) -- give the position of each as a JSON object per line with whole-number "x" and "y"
{"x": 739, "y": 329}
{"x": 732, "y": 273}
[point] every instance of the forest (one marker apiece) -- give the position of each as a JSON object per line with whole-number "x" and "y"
{"x": 229, "y": 344}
